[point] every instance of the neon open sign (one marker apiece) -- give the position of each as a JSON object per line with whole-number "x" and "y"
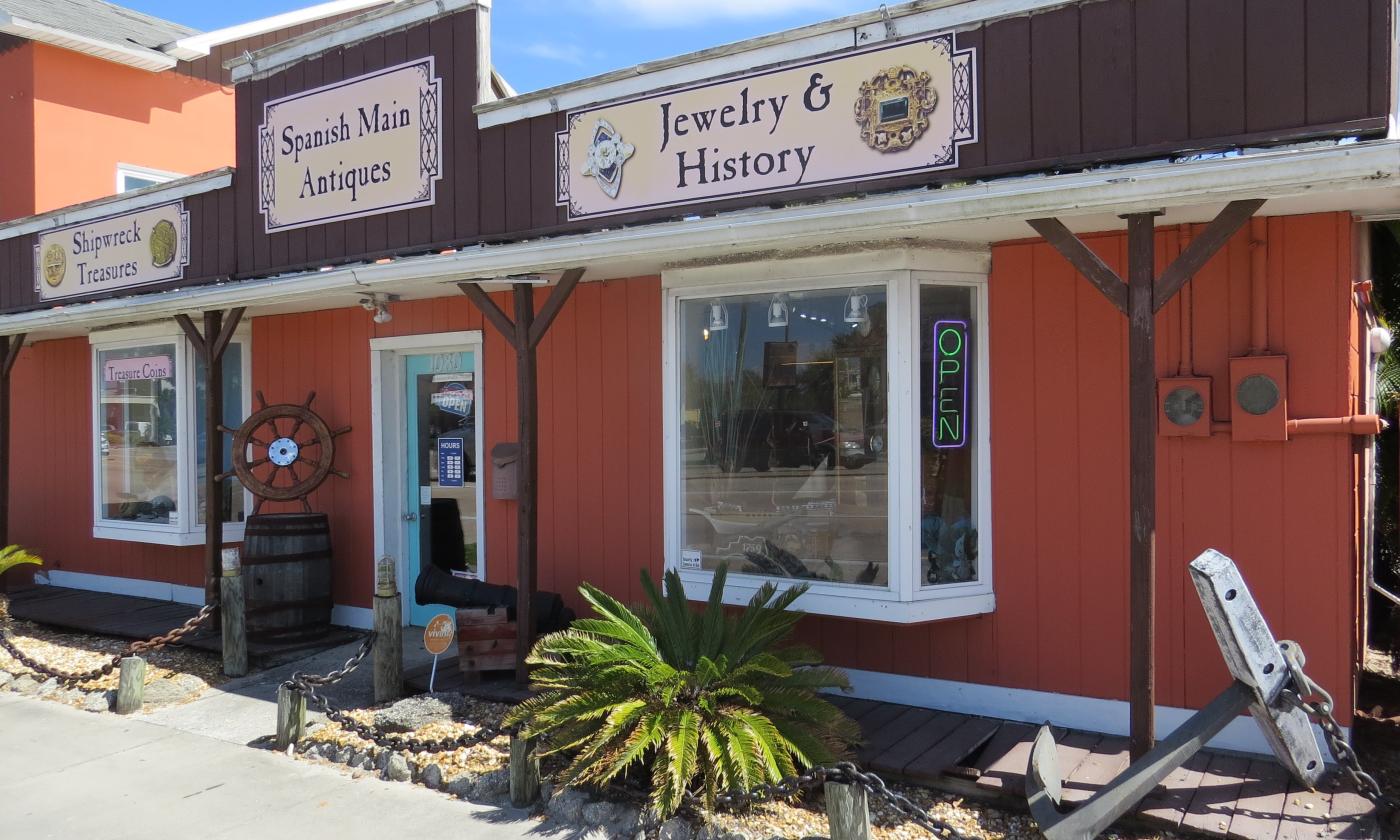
{"x": 950, "y": 384}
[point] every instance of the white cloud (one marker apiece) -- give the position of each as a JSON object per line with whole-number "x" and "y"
{"x": 667, "y": 13}
{"x": 565, "y": 53}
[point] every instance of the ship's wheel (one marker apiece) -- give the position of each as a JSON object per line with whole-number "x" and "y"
{"x": 283, "y": 452}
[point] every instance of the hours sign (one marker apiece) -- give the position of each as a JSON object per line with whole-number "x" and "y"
{"x": 367, "y": 145}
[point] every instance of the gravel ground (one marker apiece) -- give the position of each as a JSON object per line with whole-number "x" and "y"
{"x": 779, "y": 819}
{"x": 79, "y": 652}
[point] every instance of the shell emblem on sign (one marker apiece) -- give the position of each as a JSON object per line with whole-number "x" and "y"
{"x": 55, "y": 265}
{"x": 438, "y": 635}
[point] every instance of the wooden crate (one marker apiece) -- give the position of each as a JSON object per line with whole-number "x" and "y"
{"x": 485, "y": 642}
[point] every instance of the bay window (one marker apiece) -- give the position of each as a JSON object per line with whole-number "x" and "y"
{"x": 148, "y": 455}
{"x": 830, "y": 429}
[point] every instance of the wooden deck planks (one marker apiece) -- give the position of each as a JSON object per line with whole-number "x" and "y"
{"x": 1003, "y": 762}
{"x": 971, "y": 734}
{"x": 1351, "y": 816}
{"x": 1214, "y": 801}
{"x": 907, "y": 724}
{"x": 894, "y": 759}
{"x": 1167, "y": 803}
{"x": 1106, "y": 760}
{"x": 1260, "y": 806}
{"x": 1304, "y": 812}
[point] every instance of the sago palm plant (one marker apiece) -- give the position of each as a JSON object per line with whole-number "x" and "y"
{"x": 708, "y": 693}
{"x": 13, "y": 555}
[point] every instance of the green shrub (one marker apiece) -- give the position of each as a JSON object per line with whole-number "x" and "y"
{"x": 14, "y": 555}
{"x": 708, "y": 693}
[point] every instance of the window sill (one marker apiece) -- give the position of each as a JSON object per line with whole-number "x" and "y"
{"x": 877, "y": 605}
{"x": 233, "y": 533}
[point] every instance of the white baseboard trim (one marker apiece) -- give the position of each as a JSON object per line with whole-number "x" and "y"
{"x": 122, "y": 586}
{"x": 1072, "y": 711}
{"x": 344, "y": 616}
{"x": 357, "y": 617}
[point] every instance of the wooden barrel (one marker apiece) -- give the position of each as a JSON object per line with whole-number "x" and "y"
{"x": 287, "y": 576}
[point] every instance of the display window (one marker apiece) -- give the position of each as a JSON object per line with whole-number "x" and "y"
{"x": 149, "y": 460}
{"x": 832, "y": 431}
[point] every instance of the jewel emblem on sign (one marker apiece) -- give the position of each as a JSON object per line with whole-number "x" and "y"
{"x": 606, "y": 157}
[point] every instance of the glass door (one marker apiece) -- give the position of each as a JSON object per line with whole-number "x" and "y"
{"x": 441, "y": 480}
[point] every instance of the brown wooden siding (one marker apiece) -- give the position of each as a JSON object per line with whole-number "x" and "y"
{"x": 211, "y": 67}
{"x": 1113, "y": 80}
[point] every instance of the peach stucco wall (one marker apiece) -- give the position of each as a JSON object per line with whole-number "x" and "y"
{"x": 90, "y": 115}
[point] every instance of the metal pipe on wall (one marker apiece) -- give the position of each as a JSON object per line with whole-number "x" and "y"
{"x": 1258, "y": 287}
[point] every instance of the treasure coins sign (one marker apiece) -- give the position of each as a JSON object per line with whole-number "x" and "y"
{"x": 438, "y": 635}
{"x": 366, "y": 145}
{"x": 888, "y": 110}
{"x": 150, "y": 245}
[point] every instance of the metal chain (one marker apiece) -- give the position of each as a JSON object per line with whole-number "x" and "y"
{"x": 110, "y": 665}
{"x": 305, "y": 685}
{"x": 1304, "y": 693}
{"x": 843, "y": 773}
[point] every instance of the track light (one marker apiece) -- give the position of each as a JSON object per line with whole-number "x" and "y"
{"x": 378, "y": 304}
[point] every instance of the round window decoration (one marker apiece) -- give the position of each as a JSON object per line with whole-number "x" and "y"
{"x": 1257, "y": 394}
{"x": 1184, "y": 406}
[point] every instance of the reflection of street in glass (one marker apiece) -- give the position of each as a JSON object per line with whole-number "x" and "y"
{"x": 831, "y": 521}
{"x": 139, "y": 482}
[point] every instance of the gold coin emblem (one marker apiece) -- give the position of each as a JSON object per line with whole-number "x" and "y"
{"x": 55, "y": 265}
{"x": 164, "y": 243}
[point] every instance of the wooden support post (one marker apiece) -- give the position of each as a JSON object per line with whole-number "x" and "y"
{"x": 1142, "y": 483}
{"x": 527, "y": 521}
{"x": 1145, "y": 295}
{"x": 847, "y": 812}
{"x": 524, "y": 772}
{"x": 388, "y": 647}
{"x": 131, "y": 685}
{"x": 9, "y": 354}
{"x": 524, "y": 335}
{"x": 291, "y": 717}
{"x": 231, "y": 603}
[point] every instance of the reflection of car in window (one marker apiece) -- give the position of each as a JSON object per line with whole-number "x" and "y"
{"x": 759, "y": 438}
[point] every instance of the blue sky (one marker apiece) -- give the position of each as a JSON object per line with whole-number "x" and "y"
{"x": 539, "y": 43}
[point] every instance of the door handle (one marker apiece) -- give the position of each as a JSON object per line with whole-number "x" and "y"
{"x": 410, "y": 517}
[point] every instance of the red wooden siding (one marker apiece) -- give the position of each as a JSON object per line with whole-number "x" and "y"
{"x": 1286, "y": 512}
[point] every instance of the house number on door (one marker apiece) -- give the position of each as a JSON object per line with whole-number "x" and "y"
{"x": 446, "y": 362}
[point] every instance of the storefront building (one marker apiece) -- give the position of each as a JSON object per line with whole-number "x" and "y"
{"x": 815, "y": 340}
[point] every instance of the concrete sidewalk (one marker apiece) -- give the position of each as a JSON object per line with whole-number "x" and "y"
{"x": 70, "y": 774}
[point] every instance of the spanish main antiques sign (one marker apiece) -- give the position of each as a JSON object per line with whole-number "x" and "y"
{"x": 367, "y": 145}
{"x": 150, "y": 245}
{"x": 888, "y": 110}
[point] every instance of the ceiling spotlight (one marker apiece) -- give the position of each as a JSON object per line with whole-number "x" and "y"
{"x": 378, "y": 304}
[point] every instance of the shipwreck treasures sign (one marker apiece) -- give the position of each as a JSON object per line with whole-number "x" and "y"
{"x": 888, "y": 110}
{"x": 367, "y": 145}
{"x": 150, "y": 245}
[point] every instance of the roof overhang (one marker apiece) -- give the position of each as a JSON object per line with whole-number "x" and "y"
{"x": 1357, "y": 177}
{"x": 199, "y": 46}
{"x": 215, "y": 179}
{"x": 132, "y": 56}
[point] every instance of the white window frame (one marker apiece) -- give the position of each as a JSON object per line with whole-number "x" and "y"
{"x": 188, "y": 531}
{"x": 125, "y": 170}
{"x": 902, "y": 273}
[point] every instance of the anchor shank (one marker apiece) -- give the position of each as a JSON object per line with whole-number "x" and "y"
{"x": 1124, "y": 792}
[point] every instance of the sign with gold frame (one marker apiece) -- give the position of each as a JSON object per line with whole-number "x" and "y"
{"x": 150, "y": 245}
{"x": 891, "y": 109}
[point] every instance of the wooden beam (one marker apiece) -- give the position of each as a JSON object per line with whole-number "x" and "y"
{"x": 1085, "y": 261}
{"x": 1202, "y": 248}
{"x": 490, "y": 310}
{"x": 213, "y": 453}
{"x": 193, "y": 334}
{"x": 1142, "y": 484}
{"x": 527, "y": 515}
{"x": 557, "y": 298}
{"x": 221, "y": 343}
{"x": 11, "y": 355}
